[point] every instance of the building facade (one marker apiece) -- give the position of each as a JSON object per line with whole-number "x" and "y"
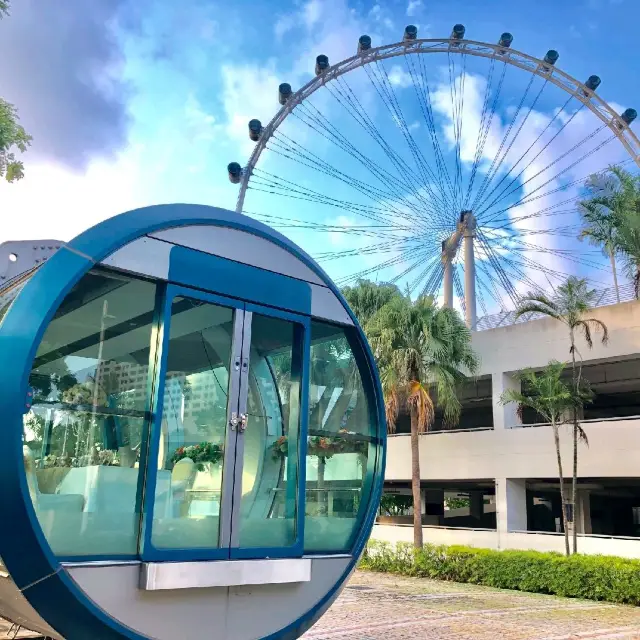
{"x": 493, "y": 481}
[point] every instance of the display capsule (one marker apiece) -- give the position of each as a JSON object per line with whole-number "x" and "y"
{"x": 364, "y": 43}
{"x": 284, "y": 93}
{"x": 592, "y": 83}
{"x": 410, "y": 33}
{"x": 628, "y": 116}
{"x": 235, "y": 172}
{"x": 505, "y": 40}
{"x": 322, "y": 64}
{"x": 255, "y": 130}
{"x": 458, "y": 32}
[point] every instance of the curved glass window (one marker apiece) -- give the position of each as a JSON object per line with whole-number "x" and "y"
{"x": 83, "y": 436}
{"x": 341, "y": 437}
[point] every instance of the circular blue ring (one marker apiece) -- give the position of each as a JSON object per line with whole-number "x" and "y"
{"x": 23, "y": 547}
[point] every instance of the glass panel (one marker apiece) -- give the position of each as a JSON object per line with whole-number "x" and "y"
{"x": 269, "y": 500}
{"x": 194, "y": 426}
{"x": 82, "y": 438}
{"x": 341, "y": 430}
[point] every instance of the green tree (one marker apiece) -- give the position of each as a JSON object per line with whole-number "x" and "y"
{"x": 366, "y": 298}
{"x": 420, "y": 347}
{"x": 611, "y": 219}
{"x": 548, "y": 395}
{"x": 573, "y": 300}
{"x": 12, "y": 135}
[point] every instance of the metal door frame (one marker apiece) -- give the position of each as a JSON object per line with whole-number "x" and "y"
{"x": 300, "y": 364}
{"x": 148, "y": 551}
{"x": 233, "y": 459}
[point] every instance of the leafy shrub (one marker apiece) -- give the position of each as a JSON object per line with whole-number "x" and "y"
{"x": 579, "y": 576}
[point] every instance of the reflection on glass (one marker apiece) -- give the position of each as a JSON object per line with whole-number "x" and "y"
{"x": 341, "y": 427}
{"x": 82, "y": 437}
{"x": 194, "y": 423}
{"x": 269, "y": 500}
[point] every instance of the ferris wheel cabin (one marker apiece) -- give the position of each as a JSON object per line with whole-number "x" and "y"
{"x": 193, "y": 431}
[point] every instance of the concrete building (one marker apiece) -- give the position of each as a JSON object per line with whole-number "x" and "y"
{"x": 493, "y": 481}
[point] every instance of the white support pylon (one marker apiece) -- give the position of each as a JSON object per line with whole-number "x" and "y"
{"x": 447, "y": 283}
{"x": 469, "y": 270}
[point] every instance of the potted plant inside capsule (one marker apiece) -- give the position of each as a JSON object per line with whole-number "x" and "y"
{"x": 205, "y": 455}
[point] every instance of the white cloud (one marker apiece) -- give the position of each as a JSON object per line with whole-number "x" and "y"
{"x": 312, "y": 12}
{"x": 51, "y": 202}
{"x": 248, "y": 92}
{"x": 283, "y": 25}
{"x": 399, "y": 77}
{"x": 414, "y": 7}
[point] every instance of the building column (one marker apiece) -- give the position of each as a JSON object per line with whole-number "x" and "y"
{"x": 511, "y": 506}
{"x": 583, "y": 511}
{"x": 504, "y": 416}
{"x": 433, "y": 506}
{"x": 476, "y": 504}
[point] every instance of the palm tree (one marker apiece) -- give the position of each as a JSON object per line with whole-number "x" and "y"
{"x": 600, "y": 228}
{"x": 548, "y": 395}
{"x": 573, "y": 300}
{"x": 366, "y": 298}
{"x": 611, "y": 219}
{"x": 419, "y": 347}
{"x": 629, "y": 245}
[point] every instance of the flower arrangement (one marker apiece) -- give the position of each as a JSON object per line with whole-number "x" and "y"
{"x": 97, "y": 456}
{"x": 323, "y": 446}
{"x": 199, "y": 453}
{"x": 83, "y": 394}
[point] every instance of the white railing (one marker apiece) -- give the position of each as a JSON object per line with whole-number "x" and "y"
{"x": 580, "y": 535}
{"x": 604, "y": 298}
{"x": 440, "y": 431}
{"x": 587, "y": 421}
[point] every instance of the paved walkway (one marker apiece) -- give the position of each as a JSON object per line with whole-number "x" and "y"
{"x": 382, "y": 607}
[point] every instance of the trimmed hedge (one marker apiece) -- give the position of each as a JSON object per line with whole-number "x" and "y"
{"x": 605, "y": 578}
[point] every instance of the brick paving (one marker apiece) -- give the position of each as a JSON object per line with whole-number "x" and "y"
{"x": 383, "y": 607}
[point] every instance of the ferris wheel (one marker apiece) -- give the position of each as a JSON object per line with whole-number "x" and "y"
{"x": 449, "y": 167}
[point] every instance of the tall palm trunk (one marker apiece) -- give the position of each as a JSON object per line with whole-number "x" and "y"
{"x": 415, "y": 478}
{"x": 556, "y": 437}
{"x": 574, "y": 479}
{"x": 612, "y": 257}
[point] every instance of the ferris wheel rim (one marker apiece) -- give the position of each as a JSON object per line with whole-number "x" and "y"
{"x": 535, "y": 66}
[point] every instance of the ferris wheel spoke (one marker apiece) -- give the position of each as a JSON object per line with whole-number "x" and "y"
{"x": 332, "y": 134}
{"x": 575, "y": 147}
{"x": 423, "y": 93}
{"x": 414, "y": 265}
{"x": 483, "y": 130}
{"x": 491, "y": 289}
{"x": 288, "y": 188}
{"x": 557, "y": 175}
{"x": 381, "y": 197}
{"x": 528, "y": 247}
{"x": 384, "y": 88}
{"x": 356, "y": 110}
{"x": 432, "y": 266}
{"x": 564, "y": 125}
{"x": 495, "y": 263}
{"x": 372, "y": 231}
{"x": 456, "y": 109}
{"x": 399, "y": 259}
{"x": 497, "y": 164}
{"x": 385, "y": 247}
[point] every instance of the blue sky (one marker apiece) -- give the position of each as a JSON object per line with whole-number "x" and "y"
{"x": 152, "y": 107}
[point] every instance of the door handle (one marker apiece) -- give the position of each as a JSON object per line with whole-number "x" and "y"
{"x": 233, "y": 421}
{"x": 242, "y": 422}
